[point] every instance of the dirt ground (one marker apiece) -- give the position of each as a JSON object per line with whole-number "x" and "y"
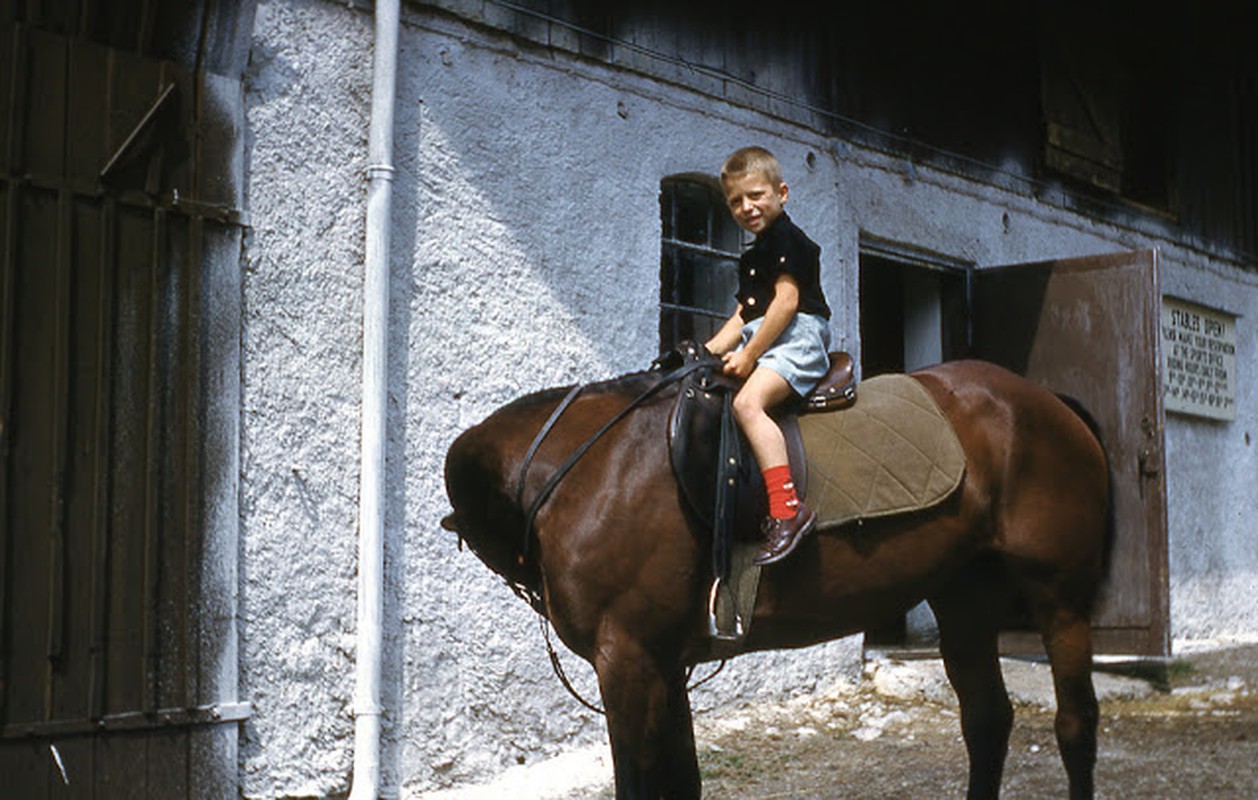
{"x": 1195, "y": 735}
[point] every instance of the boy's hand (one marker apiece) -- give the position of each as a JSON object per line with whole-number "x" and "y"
{"x": 738, "y": 363}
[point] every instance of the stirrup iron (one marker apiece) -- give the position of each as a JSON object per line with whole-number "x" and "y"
{"x": 714, "y": 629}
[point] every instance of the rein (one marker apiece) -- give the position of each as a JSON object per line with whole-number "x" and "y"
{"x": 534, "y": 597}
{"x": 557, "y": 666}
{"x": 667, "y": 380}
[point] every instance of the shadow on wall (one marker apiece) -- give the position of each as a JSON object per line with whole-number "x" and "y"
{"x": 490, "y": 297}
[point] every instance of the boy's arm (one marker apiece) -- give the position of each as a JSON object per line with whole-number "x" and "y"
{"x": 776, "y": 319}
{"x": 730, "y": 334}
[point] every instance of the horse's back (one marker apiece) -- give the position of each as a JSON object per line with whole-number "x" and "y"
{"x": 1019, "y": 417}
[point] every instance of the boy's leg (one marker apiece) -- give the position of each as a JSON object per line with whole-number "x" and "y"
{"x": 763, "y": 390}
{"x": 789, "y": 520}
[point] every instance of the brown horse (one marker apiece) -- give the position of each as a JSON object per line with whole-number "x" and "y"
{"x": 622, "y": 569}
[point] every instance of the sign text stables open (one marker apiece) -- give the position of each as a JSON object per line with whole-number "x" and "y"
{"x": 1198, "y": 360}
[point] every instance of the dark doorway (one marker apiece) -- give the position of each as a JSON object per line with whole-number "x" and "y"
{"x": 913, "y": 313}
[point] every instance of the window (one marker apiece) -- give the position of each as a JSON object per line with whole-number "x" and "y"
{"x": 698, "y": 260}
{"x": 1107, "y": 128}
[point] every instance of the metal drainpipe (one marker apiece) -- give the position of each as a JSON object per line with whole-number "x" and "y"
{"x": 367, "y": 705}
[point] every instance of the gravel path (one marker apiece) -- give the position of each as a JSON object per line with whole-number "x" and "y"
{"x": 1189, "y": 732}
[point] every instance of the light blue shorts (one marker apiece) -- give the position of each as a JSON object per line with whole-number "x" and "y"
{"x": 801, "y": 353}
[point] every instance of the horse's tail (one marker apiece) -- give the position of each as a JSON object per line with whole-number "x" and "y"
{"x": 1081, "y": 411}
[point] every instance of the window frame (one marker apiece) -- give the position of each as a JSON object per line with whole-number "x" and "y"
{"x": 682, "y": 314}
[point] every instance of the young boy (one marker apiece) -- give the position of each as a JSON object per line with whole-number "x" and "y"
{"x": 779, "y": 336}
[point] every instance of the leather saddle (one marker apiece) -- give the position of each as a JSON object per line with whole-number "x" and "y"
{"x": 722, "y": 487}
{"x": 717, "y": 476}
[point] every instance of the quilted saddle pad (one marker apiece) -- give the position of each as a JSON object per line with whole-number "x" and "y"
{"x": 892, "y": 452}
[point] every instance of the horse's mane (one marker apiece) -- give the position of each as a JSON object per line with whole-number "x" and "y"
{"x": 629, "y": 383}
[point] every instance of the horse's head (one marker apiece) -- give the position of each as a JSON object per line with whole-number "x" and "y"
{"x": 486, "y": 514}
{"x": 482, "y": 473}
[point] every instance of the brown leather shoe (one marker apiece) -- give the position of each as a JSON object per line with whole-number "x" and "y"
{"x": 781, "y": 536}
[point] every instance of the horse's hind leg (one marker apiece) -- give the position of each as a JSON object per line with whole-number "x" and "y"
{"x": 968, "y": 643}
{"x": 648, "y": 723}
{"x": 1068, "y": 641}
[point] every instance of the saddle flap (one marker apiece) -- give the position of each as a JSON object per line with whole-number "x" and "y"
{"x": 694, "y": 442}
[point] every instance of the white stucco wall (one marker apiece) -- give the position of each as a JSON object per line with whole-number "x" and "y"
{"x": 1212, "y": 476}
{"x": 308, "y": 88}
{"x": 526, "y": 254}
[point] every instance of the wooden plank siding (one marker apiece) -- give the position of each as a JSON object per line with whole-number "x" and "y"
{"x": 111, "y": 685}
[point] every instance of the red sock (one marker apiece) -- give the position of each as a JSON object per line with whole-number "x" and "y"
{"x": 782, "y": 498}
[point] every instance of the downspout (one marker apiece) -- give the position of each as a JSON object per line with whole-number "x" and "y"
{"x": 371, "y": 511}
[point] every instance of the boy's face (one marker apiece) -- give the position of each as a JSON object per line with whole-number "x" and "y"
{"x": 753, "y": 200}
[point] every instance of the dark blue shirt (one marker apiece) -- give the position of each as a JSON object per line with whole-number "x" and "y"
{"x": 780, "y": 248}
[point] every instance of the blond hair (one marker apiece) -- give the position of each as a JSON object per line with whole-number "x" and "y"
{"x": 752, "y": 159}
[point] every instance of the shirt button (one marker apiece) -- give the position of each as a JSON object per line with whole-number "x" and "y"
{"x": 752, "y": 273}
{"x": 751, "y": 301}
{"x": 782, "y": 260}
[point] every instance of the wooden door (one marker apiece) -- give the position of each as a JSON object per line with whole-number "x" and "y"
{"x": 1088, "y": 328}
{"x": 119, "y": 332}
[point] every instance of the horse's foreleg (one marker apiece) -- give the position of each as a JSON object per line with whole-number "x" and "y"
{"x": 648, "y": 723}
{"x": 968, "y": 643}
{"x": 1068, "y": 641}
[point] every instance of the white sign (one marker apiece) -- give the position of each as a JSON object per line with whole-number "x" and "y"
{"x": 1198, "y": 360}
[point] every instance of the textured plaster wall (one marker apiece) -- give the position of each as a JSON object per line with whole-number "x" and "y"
{"x": 526, "y": 255}
{"x": 1212, "y": 478}
{"x": 308, "y": 90}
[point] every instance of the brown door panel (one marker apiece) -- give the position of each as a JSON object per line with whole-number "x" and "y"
{"x": 1087, "y": 328}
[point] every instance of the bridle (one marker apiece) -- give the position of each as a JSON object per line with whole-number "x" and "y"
{"x": 532, "y": 595}
{"x": 530, "y": 518}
